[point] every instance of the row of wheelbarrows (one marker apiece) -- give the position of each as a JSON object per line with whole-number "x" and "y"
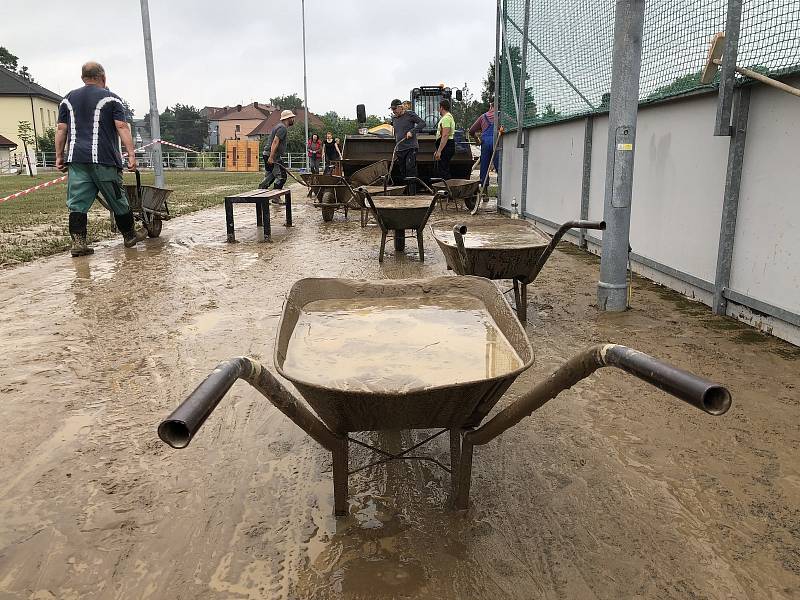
{"x": 489, "y": 248}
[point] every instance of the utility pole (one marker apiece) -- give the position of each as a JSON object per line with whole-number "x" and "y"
{"x": 155, "y": 125}
{"x": 305, "y": 88}
{"x": 612, "y": 289}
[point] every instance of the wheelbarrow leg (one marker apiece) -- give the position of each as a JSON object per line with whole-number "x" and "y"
{"x": 383, "y": 246}
{"x": 340, "y": 468}
{"x": 455, "y": 458}
{"x": 463, "y": 477}
{"x": 516, "y": 294}
{"x": 421, "y": 247}
{"x": 522, "y": 307}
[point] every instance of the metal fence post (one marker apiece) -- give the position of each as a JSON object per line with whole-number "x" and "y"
{"x": 730, "y": 202}
{"x": 155, "y": 125}
{"x": 522, "y": 80}
{"x": 497, "y": 73}
{"x": 627, "y": 61}
{"x": 728, "y": 71}
{"x": 586, "y": 177}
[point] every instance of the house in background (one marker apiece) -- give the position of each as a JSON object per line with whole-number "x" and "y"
{"x": 234, "y": 123}
{"x": 22, "y": 100}
{"x": 6, "y": 147}
{"x": 263, "y": 129}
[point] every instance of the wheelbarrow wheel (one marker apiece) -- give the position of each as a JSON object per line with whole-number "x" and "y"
{"x": 327, "y": 211}
{"x": 470, "y": 202}
{"x": 154, "y": 227}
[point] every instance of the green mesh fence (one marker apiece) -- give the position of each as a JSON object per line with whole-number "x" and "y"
{"x": 576, "y": 37}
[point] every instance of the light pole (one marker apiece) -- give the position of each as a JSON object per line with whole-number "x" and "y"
{"x": 305, "y": 88}
{"x": 155, "y": 125}
{"x": 612, "y": 292}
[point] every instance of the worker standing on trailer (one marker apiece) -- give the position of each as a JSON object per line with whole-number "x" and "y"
{"x": 94, "y": 120}
{"x": 483, "y": 131}
{"x": 274, "y": 150}
{"x": 406, "y": 126}
{"x": 445, "y": 144}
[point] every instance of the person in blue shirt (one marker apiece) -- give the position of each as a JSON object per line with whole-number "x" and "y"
{"x": 91, "y": 123}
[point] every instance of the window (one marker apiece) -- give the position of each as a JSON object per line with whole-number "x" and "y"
{"x": 50, "y": 118}
{"x": 41, "y": 116}
{"x": 238, "y": 128}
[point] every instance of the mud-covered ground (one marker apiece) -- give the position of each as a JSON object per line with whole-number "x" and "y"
{"x": 613, "y": 490}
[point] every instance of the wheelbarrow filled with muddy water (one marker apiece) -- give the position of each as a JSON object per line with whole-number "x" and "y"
{"x": 425, "y": 354}
{"x": 396, "y": 214}
{"x": 501, "y": 249}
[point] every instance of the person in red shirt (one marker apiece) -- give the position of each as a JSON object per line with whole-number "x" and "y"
{"x": 314, "y": 153}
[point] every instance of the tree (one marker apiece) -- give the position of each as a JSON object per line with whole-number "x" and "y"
{"x": 47, "y": 142}
{"x": 468, "y": 109}
{"x": 8, "y": 60}
{"x": 25, "y": 74}
{"x": 128, "y": 111}
{"x": 515, "y": 57}
{"x": 182, "y": 125}
{"x": 287, "y": 102}
{"x": 25, "y": 133}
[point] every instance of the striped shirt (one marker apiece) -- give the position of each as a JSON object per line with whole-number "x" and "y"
{"x": 89, "y": 113}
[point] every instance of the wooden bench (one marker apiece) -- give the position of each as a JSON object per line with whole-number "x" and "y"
{"x": 261, "y": 198}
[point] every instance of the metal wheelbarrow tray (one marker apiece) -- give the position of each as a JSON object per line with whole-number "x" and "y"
{"x": 501, "y": 249}
{"x": 395, "y": 214}
{"x": 459, "y": 190}
{"x": 334, "y": 192}
{"x": 458, "y": 408}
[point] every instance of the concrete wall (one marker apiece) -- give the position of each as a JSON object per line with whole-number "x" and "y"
{"x": 679, "y": 182}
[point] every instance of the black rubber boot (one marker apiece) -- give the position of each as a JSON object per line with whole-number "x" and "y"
{"x": 77, "y": 231}
{"x": 126, "y": 226}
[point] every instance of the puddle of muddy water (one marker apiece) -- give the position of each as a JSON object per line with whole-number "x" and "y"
{"x": 396, "y": 344}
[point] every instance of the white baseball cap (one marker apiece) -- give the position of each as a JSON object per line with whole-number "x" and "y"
{"x": 287, "y": 114}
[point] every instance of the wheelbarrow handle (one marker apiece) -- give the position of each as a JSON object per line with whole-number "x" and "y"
{"x": 418, "y": 180}
{"x": 709, "y": 397}
{"x": 557, "y": 238}
{"x": 701, "y": 393}
{"x": 180, "y": 427}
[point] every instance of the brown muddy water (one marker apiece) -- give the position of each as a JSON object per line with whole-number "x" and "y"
{"x": 380, "y": 344}
{"x": 505, "y": 233}
{"x": 613, "y": 490}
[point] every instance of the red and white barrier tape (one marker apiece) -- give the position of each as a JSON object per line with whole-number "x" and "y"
{"x": 164, "y": 142}
{"x": 64, "y": 177}
{"x": 34, "y": 188}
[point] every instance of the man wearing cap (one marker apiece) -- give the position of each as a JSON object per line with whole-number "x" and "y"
{"x": 273, "y": 150}
{"x": 406, "y": 126}
{"x": 91, "y": 123}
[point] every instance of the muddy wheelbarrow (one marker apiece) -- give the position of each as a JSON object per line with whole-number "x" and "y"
{"x": 148, "y": 204}
{"x": 331, "y": 193}
{"x": 501, "y": 249}
{"x": 395, "y": 214}
{"x": 373, "y": 386}
{"x": 459, "y": 191}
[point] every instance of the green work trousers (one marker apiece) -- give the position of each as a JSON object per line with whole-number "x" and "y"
{"x": 86, "y": 180}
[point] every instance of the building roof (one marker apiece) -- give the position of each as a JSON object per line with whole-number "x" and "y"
{"x": 266, "y": 126}
{"x": 6, "y": 143}
{"x": 248, "y": 112}
{"x": 12, "y": 84}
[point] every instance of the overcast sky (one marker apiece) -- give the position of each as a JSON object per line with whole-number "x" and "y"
{"x": 229, "y": 52}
